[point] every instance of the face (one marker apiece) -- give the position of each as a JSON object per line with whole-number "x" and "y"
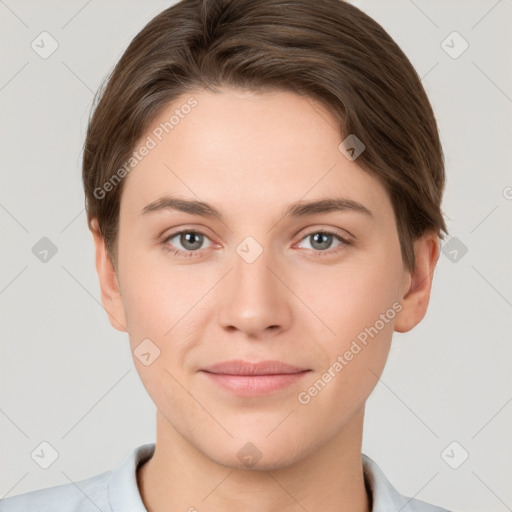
{"x": 264, "y": 279}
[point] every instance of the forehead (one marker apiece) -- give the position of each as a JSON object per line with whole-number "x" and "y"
{"x": 246, "y": 150}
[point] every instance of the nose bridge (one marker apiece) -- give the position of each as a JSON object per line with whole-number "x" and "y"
{"x": 253, "y": 298}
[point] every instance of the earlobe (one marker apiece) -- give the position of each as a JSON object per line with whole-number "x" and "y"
{"x": 419, "y": 282}
{"x": 109, "y": 283}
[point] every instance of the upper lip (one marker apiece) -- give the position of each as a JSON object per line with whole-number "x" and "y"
{"x": 240, "y": 367}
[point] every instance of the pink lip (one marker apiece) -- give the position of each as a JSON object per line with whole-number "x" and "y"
{"x": 249, "y": 379}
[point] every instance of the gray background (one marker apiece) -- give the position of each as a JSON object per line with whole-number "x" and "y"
{"x": 67, "y": 376}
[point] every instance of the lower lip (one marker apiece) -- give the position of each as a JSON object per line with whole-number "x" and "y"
{"x": 253, "y": 385}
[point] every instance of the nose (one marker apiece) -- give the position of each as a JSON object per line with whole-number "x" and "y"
{"x": 254, "y": 298}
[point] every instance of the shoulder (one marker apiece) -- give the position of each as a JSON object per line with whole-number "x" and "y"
{"x": 385, "y": 497}
{"x": 115, "y": 490}
{"x": 88, "y": 495}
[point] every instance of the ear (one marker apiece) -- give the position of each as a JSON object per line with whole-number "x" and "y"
{"x": 418, "y": 283}
{"x": 109, "y": 284}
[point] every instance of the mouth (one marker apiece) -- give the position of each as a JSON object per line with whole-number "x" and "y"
{"x": 252, "y": 379}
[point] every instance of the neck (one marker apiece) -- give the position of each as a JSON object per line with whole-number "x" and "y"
{"x": 179, "y": 477}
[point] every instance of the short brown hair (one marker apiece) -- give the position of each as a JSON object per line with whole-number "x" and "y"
{"x": 328, "y": 50}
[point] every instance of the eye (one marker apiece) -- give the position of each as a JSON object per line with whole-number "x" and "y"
{"x": 321, "y": 241}
{"x": 190, "y": 240}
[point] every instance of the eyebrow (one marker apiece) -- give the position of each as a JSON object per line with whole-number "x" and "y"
{"x": 297, "y": 209}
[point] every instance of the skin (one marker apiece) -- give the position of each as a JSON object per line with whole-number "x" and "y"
{"x": 251, "y": 155}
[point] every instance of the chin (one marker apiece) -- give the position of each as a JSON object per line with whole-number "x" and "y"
{"x": 260, "y": 454}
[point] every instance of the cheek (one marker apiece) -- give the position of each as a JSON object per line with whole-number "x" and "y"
{"x": 359, "y": 308}
{"x": 164, "y": 305}
{"x": 359, "y": 304}
{"x": 354, "y": 296}
{"x": 156, "y": 294}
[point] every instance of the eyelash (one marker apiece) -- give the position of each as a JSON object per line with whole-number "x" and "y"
{"x": 198, "y": 253}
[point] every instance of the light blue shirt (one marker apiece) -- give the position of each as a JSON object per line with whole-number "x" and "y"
{"x": 117, "y": 491}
